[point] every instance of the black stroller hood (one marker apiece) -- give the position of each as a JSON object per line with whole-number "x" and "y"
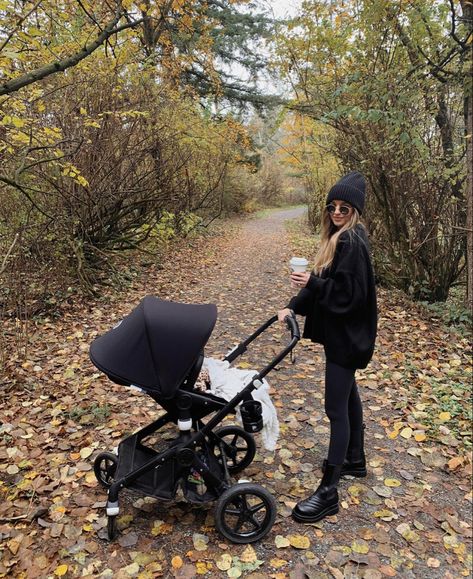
{"x": 156, "y": 345}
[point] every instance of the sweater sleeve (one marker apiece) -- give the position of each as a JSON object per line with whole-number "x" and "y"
{"x": 302, "y": 302}
{"x": 346, "y": 289}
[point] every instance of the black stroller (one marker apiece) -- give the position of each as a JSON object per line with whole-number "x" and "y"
{"x": 158, "y": 348}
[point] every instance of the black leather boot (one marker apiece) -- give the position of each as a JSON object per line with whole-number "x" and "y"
{"x": 323, "y": 502}
{"x": 355, "y": 461}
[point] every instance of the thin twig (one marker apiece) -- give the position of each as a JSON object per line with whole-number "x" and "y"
{"x": 5, "y": 259}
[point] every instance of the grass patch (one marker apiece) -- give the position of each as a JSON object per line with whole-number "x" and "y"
{"x": 92, "y": 414}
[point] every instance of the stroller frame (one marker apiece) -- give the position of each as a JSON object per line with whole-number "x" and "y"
{"x": 139, "y": 467}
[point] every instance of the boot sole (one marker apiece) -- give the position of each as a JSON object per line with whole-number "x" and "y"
{"x": 358, "y": 473}
{"x": 355, "y": 473}
{"x": 325, "y": 513}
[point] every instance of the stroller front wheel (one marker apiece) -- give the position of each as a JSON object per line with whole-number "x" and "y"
{"x": 105, "y": 467}
{"x": 245, "y": 513}
{"x": 239, "y": 447}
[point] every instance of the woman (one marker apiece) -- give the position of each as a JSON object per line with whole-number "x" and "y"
{"x": 339, "y": 301}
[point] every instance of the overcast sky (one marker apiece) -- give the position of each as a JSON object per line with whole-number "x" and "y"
{"x": 283, "y": 8}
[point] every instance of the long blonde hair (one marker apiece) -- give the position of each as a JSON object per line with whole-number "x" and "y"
{"x": 329, "y": 237}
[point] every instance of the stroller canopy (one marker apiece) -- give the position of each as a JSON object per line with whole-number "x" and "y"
{"x": 156, "y": 345}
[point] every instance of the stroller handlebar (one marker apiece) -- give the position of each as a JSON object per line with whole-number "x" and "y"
{"x": 292, "y": 325}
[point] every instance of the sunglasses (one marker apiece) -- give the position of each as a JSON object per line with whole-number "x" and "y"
{"x": 344, "y": 209}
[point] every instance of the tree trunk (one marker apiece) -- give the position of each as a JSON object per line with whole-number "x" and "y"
{"x": 467, "y": 17}
{"x": 469, "y": 201}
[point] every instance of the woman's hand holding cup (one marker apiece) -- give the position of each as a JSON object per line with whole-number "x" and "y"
{"x": 300, "y": 279}
{"x": 298, "y": 266}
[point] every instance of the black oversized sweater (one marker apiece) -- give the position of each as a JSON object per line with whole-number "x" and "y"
{"x": 340, "y": 304}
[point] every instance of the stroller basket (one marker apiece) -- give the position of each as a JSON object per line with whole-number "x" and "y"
{"x": 158, "y": 348}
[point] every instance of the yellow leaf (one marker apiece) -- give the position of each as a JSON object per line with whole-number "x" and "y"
{"x": 61, "y": 570}
{"x": 445, "y": 416}
{"x": 384, "y": 514}
{"x": 299, "y": 541}
{"x": 18, "y": 123}
{"x": 406, "y": 432}
{"x": 161, "y": 528}
{"x": 392, "y": 482}
{"x": 405, "y": 531}
{"x": 360, "y": 546}
{"x": 224, "y": 562}
{"x": 201, "y": 568}
{"x": 248, "y": 555}
{"x": 90, "y": 478}
{"x": 355, "y": 490}
{"x": 277, "y": 563}
{"x": 281, "y": 541}
{"x": 177, "y": 562}
{"x": 14, "y": 544}
{"x": 86, "y": 452}
{"x": 200, "y": 542}
{"x": 393, "y": 434}
{"x": 420, "y": 436}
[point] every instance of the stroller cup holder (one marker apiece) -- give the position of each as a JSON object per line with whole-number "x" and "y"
{"x": 252, "y": 415}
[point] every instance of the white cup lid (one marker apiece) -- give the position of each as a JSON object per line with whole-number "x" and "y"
{"x": 299, "y": 261}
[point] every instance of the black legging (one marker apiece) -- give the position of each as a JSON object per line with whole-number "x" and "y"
{"x": 343, "y": 408}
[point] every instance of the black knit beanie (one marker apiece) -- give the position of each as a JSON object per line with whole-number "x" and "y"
{"x": 350, "y": 188}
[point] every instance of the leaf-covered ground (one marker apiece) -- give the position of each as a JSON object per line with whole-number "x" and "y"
{"x": 411, "y": 517}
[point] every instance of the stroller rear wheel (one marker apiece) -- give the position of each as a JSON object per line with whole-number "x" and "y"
{"x": 245, "y": 513}
{"x": 239, "y": 447}
{"x": 105, "y": 467}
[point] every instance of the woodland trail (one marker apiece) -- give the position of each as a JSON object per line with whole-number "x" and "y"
{"x": 409, "y": 518}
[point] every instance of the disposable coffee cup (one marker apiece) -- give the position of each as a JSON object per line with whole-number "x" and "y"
{"x": 299, "y": 265}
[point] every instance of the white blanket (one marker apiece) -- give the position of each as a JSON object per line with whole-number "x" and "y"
{"x": 226, "y": 382}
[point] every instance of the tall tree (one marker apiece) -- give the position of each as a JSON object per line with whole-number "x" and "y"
{"x": 389, "y": 78}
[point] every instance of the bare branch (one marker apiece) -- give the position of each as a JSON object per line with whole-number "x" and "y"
{"x": 5, "y": 259}
{"x": 23, "y": 190}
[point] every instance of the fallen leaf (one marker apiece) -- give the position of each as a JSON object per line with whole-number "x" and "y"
{"x": 248, "y": 555}
{"x": 277, "y": 563}
{"x": 406, "y": 432}
{"x": 360, "y": 546}
{"x": 385, "y": 515}
{"x": 224, "y": 562}
{"x": 86, "y": 452}
{"x": 455, "y": 462}
{"x": 299, "y": 541}
{"x": 176, "y": 562}
{"x": 281, "y": 542}
{"x": 392, "y": 482}
{"x": 200, "y": 541}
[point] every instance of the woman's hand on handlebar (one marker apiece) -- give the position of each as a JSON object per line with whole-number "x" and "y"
{"x": 282, "y": 314}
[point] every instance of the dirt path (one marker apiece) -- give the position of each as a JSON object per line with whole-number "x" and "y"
{"x": 408, "y": 518}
